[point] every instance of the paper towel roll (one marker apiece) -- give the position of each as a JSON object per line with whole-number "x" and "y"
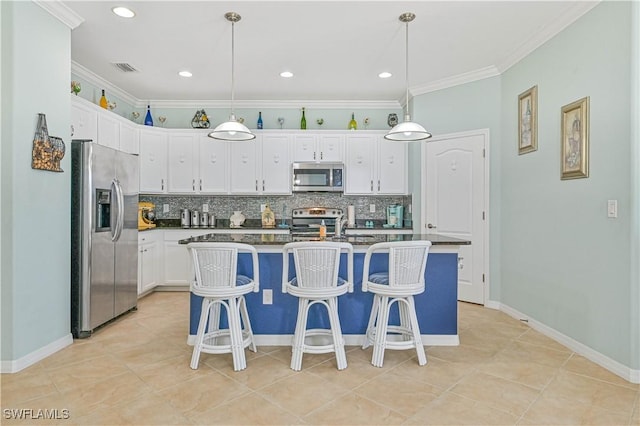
{"x": 351, "y": 216}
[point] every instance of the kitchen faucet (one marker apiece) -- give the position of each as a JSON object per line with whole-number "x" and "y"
{"x": 339, "y": 225}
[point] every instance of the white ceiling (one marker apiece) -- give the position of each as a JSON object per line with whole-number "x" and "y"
{"x": 335, "y": 48}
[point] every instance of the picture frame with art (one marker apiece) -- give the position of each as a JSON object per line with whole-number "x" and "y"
{"x": 574, "y": 155}
{"x": 528, "y": 121}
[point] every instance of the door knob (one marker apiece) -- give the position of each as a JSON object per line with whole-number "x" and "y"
{"x": 430, "y": 226}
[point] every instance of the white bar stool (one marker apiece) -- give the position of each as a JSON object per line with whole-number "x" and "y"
{"x": 317, "y": 281}
{"x": 404, "y": 279}
{"x": 218, "y": 283}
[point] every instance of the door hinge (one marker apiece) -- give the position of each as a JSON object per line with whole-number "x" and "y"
{"x": 482, "y": 277}
{"x": 483, "y": 152}
{"x": 482, "y": 215}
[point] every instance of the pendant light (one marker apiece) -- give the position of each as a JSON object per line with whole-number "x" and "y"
{"x": 407, "y": 131}
{"x": 232, "y": 130}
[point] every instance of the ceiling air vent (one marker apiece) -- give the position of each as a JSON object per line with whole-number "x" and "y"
{"x": 124, "y": 67}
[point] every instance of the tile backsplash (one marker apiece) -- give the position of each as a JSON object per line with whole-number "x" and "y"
{"x": 223, "y": 206}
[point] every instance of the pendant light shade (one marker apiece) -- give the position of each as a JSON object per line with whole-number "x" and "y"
{"x": 232, "y": 130}
{"x": 407, "y": 131}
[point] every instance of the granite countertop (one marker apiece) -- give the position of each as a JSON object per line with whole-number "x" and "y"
{"x": 280, "y": 239}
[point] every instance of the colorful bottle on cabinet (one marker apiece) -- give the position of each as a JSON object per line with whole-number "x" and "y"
{"x": 148, "y": 121}
{"x": 103, "y": 100}
{"x": 259, "y": 120}
{"x": 303, "y": 121}
{"x": 353, "y": 124}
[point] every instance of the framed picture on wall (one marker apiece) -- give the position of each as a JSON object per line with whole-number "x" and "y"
{"x": 575, "y": 140}
{"x": 528, "y": 121}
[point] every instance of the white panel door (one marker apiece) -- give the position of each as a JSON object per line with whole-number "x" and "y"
{"x": 182, "y": 163}
{"x": 244, "y": 167}
{"x": 304, "y": 148}
{"x": 359, "y": 163}
{"x": 153, "y": 161}
{"x": 331, "y": 148}
{"x": 108, "y": 130}
{"x": 214, "y": 166}
{"x": 392, "y": 165}
{"x": 129, "y": 138}
{"x": 455, "y": 205}
{"x": 84, "y": 121}
{"x": 276, "y": 167}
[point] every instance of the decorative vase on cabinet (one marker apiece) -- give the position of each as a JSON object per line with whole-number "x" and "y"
{"x": 237, "y": 219}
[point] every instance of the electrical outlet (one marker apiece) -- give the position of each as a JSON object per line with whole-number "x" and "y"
{"x": 205, "y": 208}
{"x": 372, "y": 208}
{"x": 262, "y": 207}
{"x": 165, "y": 208}
{"x": 267, "y": 297}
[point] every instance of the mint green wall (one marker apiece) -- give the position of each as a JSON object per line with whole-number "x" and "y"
{"x": 462, "y": 108}
{"x": 563, "y": 262}
{"x": 35, "y": 204}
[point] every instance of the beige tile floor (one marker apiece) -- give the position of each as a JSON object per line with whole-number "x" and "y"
{"x": 136, "y": 371}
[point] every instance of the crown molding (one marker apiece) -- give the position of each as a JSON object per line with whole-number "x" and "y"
{"x": 60, "y": 11}
{"x": 100, "y": 82}
{"x": 455, "y": 80}
{"x": 562, "y": 21}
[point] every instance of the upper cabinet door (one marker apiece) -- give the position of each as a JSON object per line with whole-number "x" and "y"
{"x": 304, "y": 148}
{"x": 244, "y": 167}
{"x": 276, "y": 167}
{"x": 331, "y": 148}
{"x": 181, "y": 161}
{"x": 359, "y": 164}
{"x": 153, "y": 161}
{"x": 108, "y": 131}
{"x": 392, "y": 167}
{"x": 214, "y": 166}
{"x": 84, "y": 120}
{"x": 129, "y": 138}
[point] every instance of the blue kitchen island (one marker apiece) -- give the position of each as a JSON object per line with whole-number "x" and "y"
{"x": 273, "y": 324}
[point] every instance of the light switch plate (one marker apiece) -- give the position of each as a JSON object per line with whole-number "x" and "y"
{"x": 165, "y": 208}
{"x": 267, "y": 297}
{"x": 612, "y": 208}
{"x": 205, "y": 208}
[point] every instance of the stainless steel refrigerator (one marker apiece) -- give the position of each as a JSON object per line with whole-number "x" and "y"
{"x": 104, "y": 235}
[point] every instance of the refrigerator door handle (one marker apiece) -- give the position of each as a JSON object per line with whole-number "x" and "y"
{"x": 119, "y": 211}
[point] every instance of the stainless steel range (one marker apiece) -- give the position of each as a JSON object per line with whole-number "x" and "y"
{"x": 305, "y": 222}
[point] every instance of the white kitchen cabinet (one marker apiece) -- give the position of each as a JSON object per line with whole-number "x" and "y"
{"x": 318, "y": 147}
{"x": 148, "y": 261}
{"x": 182, "y": 161}
{"x": 129, "y": 140}
{"x": 244, "y": 167}
{"x": 84, "y": 119}
{"x": 197, "y": 164}
{"x": 213, "y": 163}
{"x": 108, "y": 130}
{"x": 153, "y": 161}
{"x": 176, "y": 260}
{"x": 375, "y": 166}
{"x": 261, "y": 166}
{"x": 276, "y": 167}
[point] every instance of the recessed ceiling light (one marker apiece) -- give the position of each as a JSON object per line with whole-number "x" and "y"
{"x": 286, "y": 74}
{"x": 185, "y": 74}
{"x": 123, "y": 12}
{"x": 384, "y": 74}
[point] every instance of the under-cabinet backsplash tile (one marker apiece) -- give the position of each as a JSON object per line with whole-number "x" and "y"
{"x": 223, "y": 206}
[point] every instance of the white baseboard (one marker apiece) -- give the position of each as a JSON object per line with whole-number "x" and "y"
{"x": 613, "y": 366}
{"x": 39, "y": 354}
{"x": 349, "y": 339}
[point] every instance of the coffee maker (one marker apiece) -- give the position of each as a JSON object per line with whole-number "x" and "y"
{"x": 146, "y": 215}
{"x": 395, "y": 214}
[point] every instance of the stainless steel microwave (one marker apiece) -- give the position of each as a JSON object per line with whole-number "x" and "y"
{"x": 321, "y": 177}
